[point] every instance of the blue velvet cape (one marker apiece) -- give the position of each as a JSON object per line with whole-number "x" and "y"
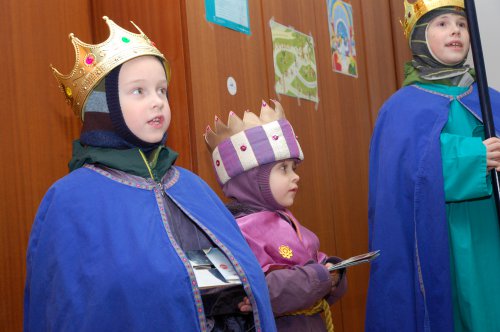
{"x": 410, "y": 285}
{"x": 102, "y": 257}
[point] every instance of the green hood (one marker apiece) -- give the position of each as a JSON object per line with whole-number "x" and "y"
{"x": 412, "y": 76}
{"x": 128, "y": 160}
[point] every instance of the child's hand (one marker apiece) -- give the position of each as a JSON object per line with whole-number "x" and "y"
{"x": 492, "y": 153}
{"x": 245, "y": 305}
{"x": 335, "y": 275}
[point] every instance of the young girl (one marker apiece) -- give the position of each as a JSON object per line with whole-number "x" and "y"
{"x": 107, "y": 251}
{"x": 432, "y": 212}
{"x": 255, "y": 160}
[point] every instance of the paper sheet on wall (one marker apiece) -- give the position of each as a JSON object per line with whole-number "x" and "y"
{"x": 342, "y": 42}
{"x": 294, "y": 62}
{"x": 232, "y": 14}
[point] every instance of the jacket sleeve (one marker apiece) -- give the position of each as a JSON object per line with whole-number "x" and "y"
{"x": 298, "y": 288}
{"x": 464, "y": 167}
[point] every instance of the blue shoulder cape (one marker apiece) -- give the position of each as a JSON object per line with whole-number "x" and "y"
{"x": 101, "y": 256}
{"x": 410, "y": 287}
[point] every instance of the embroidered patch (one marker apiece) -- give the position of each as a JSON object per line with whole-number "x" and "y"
{"x": 285, "y": 251}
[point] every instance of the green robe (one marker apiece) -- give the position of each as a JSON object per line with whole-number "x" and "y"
{"x": 472, "y": 219}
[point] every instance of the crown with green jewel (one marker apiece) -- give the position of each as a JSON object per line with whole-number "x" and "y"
{"x": 414, "y": 11}
{"x": 94, "y": 62}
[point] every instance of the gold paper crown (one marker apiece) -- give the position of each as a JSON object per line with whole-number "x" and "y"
{"x": 414, "y": 11}
{"x": 94, "y": 62}
{"x": 236, "y": 125}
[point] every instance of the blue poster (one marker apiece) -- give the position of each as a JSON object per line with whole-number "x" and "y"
{"x": 232, "y": 14}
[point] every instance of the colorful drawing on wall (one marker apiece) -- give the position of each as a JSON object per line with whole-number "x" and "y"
{"x": 343, "y": 45}
{"x": 294, "y": 62}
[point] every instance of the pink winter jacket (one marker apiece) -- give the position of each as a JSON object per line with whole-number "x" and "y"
{"x": 296, "y": 276}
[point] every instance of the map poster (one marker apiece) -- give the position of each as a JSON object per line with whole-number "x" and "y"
{"x": 294, "y": 62}
{"x": 343, "y": 45}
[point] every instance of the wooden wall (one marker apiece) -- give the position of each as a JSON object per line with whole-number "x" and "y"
{"x": 35, "y": 131}
{"x": 36, "y": 127}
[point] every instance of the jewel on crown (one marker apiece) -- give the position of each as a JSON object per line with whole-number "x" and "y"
{"x": 94, "y": 62}
{"x": 236, "y": 125}
{"x": 415, "y": 10}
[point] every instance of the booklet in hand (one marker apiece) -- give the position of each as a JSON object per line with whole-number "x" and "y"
{"x": 222, "y": 264}
{"x": 355, "y": 260}
{"x": 212, "y": 268}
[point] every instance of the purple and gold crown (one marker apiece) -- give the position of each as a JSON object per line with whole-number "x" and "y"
{"x": 251, "y": 142}
{"x": 94, "y": 62}
{"x": 414, "y": 11}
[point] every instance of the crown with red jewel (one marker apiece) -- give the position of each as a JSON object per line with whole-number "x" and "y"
{"x": 255, "y": 140}
{"x": 414, "y": 11}
{"x": 94, "y": 62}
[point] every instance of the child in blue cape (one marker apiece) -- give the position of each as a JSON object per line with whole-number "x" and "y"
{"x": 107, "y": 250}
{"x": 431, "y": 209}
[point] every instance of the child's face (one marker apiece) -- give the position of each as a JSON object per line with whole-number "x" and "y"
{"x": 448, "y": 38}
{"x": 142, "y": 87}
{"x": 283, "y": 182}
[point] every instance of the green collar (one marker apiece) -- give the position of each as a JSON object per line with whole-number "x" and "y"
{"x": 412, "y": 76}
{"x": 447, "y": 90}
{"x": 129, "y": 160}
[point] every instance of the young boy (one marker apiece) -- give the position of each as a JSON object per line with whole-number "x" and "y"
{"x": 431, "y": 208}
{"x": 255, "y": 160}
{"x": 107, "y": 251}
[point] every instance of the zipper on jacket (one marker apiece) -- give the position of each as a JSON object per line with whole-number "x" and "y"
{"x": 158, "y": 183}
